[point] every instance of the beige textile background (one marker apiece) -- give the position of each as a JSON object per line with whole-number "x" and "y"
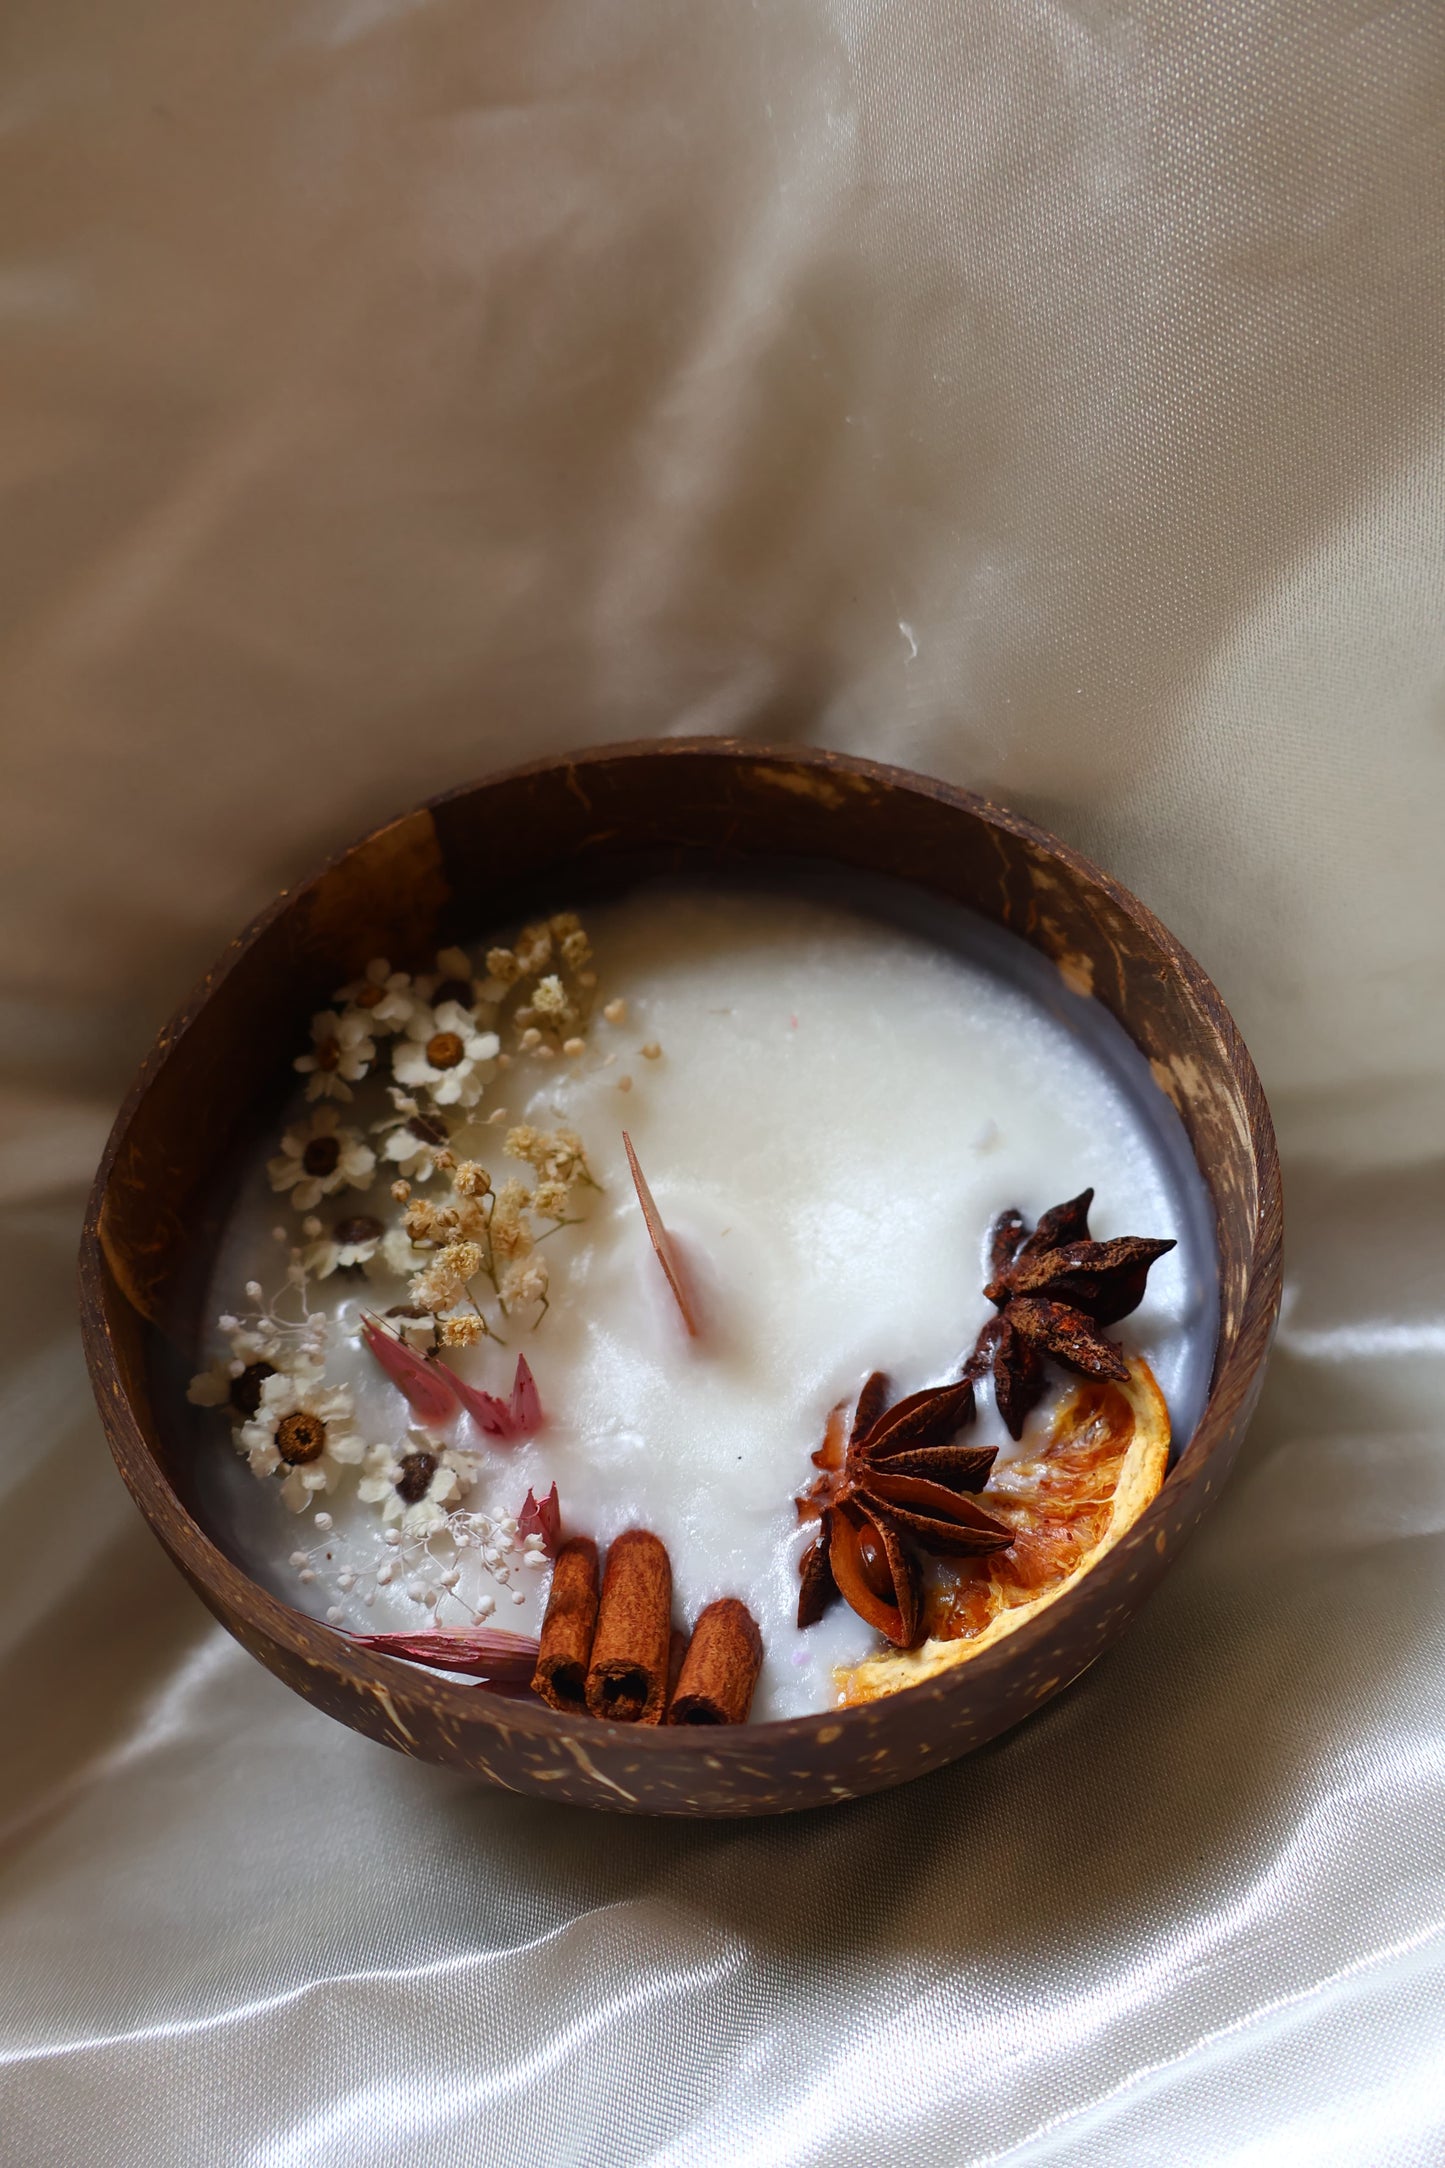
{"x": 1046, "y": 395}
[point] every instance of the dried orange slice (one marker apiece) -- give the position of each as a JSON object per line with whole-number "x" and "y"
{"x": 1070, "y": 1501}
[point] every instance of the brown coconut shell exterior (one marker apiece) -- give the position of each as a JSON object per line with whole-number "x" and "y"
{"x": 538, "y": 837}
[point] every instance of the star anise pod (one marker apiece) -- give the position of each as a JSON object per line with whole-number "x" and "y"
{"x": 1053, "y": 1289}
{"x": 902, "y": 1481}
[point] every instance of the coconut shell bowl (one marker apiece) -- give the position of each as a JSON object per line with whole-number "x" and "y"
{"x": 539, "y": 837}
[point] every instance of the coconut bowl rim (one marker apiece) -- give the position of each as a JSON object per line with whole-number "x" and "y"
{"x": 238, "y": 1600}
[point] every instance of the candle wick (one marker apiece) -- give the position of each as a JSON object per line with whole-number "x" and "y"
{"x": 661, "y": 1241}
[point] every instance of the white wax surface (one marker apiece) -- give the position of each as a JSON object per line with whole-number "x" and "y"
{"x": 840, "y": 1110}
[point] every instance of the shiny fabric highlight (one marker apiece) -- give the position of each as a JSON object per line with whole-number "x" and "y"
{"x": 1049, "y": 397}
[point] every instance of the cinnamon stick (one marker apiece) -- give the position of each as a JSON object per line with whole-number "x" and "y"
{"x": 720, "y": 1668}
{"x": 627, "y": 1679}
{"x": 560, "y": 1678}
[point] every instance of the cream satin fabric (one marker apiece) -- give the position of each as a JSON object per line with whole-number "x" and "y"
{"x": 1049, "y": 397}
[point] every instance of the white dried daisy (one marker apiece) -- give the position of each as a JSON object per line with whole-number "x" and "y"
{"x": 348, "y": 1243}
{"x": 444, "y": 1053}
{"x": 412, "y": 1141}
{"x": 385, "y": 997}
{"x": 342, "y": 1052}
{"x": 453, "y": 980}
{"x": 416, "y": 1487}
{"x": 397, "y": 1256}
{"x": 234, "y": 1380}
{"x": 319, "y": 1157}
{"x": 305, "y": 1427}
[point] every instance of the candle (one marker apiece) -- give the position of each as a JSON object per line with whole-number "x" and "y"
{"x": 831, "y": 1105}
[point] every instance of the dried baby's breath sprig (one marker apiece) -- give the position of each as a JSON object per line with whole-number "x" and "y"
{"x": 546, "y": 987}
{"x": 511, "y": 1236}
{"x": 525, "y": 1282}
{"x": 534, "y": 950}
{"x": 486, "y": 1232}
{"x": 557, "y": 1154}
{"x": 504, "y": 965}
{"x": 550, "y": 1002}
{"x": 439, "y": 1556}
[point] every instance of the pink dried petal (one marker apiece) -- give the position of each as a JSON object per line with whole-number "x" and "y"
{"x": 542, "y": 1517}
{"x": 483, "y": 1652}
{"x": 662, "y": 1243}
{"x": 487, "y": 1412}
{"x": 427, "y": 1393}
{"x": 526, "y": 1410}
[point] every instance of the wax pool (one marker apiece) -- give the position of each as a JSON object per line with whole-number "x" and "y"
{"x": 839, "y": 1106}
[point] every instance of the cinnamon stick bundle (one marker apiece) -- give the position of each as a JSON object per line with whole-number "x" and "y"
{"x": 560, "y": 1678}
{"x": 627, "y": 1680}
{"x": 720, "y": 1669}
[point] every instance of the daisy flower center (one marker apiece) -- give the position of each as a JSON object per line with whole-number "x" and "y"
{"x": 245, "y": 1394}
{"x": 300, "y": 1437}
{"x": 361, "y": 1229}
{"x": 417, "y": 1470}
{"x": 328, "y": 1053}
{"x": 321, "y": 1155}
{"x": 444, "y": 1050}
{"x": 371, "y": 996}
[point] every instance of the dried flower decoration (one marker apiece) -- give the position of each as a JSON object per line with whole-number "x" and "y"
{"x": 342, "y": 1052}
{"x": 262, "y": 1343}
{"x": 556, "y": 1154}
{"x": 526, "y": 1401}
{"x": 672, "y": 1267}
{"x": 426, "y": 1390}
{"x": 305, "y": 1428}
{"x": 1053, "y": 1289}
{"x": 506, "y": 1420}
{"x": 234, "y": 1380}
{"x": 415, "y": 1485}
{"x": 443, "y": 1052}
{"x": 384, "y": 997}
{"x": 545, "y": 985}
{"x": 463, "y": 1252}
{"x": 413, "y": 1137}
{"x": 349, "y": 1245}
{"x": 452, "y": 980}
{"x": 319, "y": 1157}
{"x": 488, "y": 1653}
{"x": 542, "y": 1517}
